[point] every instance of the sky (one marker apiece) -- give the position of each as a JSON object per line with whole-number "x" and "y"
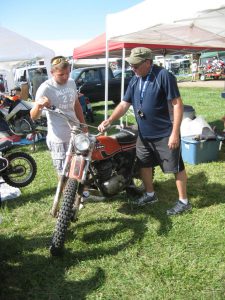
{"x": 57, "y": 24}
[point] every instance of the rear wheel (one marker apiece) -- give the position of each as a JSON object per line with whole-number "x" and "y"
{"x": 21, "y": 170}
{"x": 66, "y": 213}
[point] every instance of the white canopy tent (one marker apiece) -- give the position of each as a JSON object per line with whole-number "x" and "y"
{"x": 195, "y": 23}
{"x": 191, "y": 24}
{"x": 16, "y": 49}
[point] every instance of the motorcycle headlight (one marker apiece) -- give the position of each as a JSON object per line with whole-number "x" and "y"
{"x": 82, "y": 142}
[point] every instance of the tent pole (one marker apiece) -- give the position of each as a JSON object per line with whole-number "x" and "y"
{"x": 106, "y": 77}
{"x": 122, "y": 79}
{"x": 29, "y": 83}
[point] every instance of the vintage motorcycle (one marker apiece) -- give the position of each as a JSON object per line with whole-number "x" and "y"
{"x": 105, "y": 163}
{"x": 17, "y": 168}
{"x": 17, "y": 115}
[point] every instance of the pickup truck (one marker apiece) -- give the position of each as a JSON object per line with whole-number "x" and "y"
{"x": 91, "y": 82}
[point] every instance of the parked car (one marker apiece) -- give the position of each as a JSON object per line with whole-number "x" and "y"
{"x": 91, "y": 81}
{"x": 118, "y": 73}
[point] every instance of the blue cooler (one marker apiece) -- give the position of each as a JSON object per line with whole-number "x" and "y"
{"x": 196, "y": 152}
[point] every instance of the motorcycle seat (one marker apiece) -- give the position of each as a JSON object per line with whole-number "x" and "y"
{"x": 127, "y": 137}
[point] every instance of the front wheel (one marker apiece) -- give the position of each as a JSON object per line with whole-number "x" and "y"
{"x": 66, "y": 213}
{"x": 21, "y": 170}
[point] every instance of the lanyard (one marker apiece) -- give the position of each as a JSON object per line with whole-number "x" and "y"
{"x": 142, "y": 89}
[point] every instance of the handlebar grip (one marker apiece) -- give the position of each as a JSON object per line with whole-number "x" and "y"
{"x": 107, "y": 127}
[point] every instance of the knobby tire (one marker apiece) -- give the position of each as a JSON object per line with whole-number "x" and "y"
{"x": 64, "y": 218}
{"x": 20, "y": 164}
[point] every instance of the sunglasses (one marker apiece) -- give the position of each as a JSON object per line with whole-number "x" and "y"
{"x": 136, "y": 66}
{"x": 58, "y": 60}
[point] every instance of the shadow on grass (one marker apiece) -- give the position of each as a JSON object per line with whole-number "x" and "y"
{"x": 23, "y": 199}
{"x": 156, "y": 211}
{"x": 201, "y": 193}
{"x": 207, "y": 193}
{"x": 112, "y": 236}
{"x": 27, "y": 275}
{"x": 218, "y": 124}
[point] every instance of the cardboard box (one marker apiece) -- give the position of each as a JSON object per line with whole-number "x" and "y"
{"x": 196, "y": 152}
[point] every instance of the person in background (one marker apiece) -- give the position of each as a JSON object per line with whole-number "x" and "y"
{"x": 2, "y": 85}
{"x": 60, "y": 91}
{"x": 158, "y": 109}
{"x": 194, "y": 71}
{"x": 38, "y": 78}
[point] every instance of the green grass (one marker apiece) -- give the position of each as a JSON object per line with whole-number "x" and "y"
{"x": 116, "y": 251}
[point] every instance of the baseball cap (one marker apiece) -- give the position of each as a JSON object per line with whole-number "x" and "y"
{"x": 138, "y": 55}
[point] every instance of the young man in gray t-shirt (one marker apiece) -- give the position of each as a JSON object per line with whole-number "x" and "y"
{"x": 60, "y": 91}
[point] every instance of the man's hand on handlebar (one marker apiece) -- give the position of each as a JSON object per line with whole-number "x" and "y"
{"x": 104, "y": 125}
{"x": 43, "y": 102}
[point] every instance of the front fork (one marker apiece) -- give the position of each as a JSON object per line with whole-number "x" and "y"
{"x": 77, "y": 202}
{"x": 80, "y": 175}
{"x": 58, "y": 194}
{"x": 61, "y": 183}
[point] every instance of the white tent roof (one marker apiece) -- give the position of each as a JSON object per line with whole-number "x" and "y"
{"x": 171, "y": 23}
{"x": 191, "y": 23}
{"x": 16, "y": 49}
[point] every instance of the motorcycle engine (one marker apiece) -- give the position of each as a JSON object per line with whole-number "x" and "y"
{"x": 114, "y": 184}
{"x": 22, "y": 126}
{"x": 114, "y": 172}
{"x": 21, "y": 122}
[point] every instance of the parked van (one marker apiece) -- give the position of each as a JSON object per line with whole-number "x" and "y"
{"x": 24, "y": 76}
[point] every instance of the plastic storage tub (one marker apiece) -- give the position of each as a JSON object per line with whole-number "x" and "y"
{"x": 196, "y": 152}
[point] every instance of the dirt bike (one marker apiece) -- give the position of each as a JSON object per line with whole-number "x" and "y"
{"x": 105, "y": 163}
{"x": 16, "y": 114}
{"x": 18, "y": 169}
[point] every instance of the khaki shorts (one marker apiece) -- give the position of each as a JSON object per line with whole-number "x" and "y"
{"x": 155, "y": 152}
{"x": 58, "y": 154}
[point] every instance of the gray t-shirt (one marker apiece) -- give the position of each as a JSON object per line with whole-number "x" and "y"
{"x": 62, "y": 97}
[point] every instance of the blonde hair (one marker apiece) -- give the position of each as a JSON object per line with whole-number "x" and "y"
{"x": 59, "y": 62}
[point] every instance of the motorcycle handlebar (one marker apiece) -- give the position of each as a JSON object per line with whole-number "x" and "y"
{"x": 60, "y": 113}
{"x": 53, "y": 109}
{"x": 120, "y": 128}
